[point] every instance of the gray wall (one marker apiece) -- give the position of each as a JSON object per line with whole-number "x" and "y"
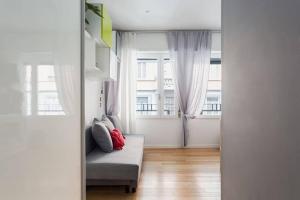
{"x": 261, "y": 115}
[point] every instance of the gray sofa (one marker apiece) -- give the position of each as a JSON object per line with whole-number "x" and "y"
{"x": 120, "y": 167}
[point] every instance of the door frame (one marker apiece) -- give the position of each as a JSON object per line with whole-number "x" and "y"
{"x": 82, "y": 99}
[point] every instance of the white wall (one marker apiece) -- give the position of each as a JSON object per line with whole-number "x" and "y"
{"x": 39, "y": 154}
{"x": 158, "y": 41}
{"x": 168, "y": 132}
{"x": 261, "y": 112}
{"x": 93, "y": 83}
{"x": 204, "y": 133}
{"x": 92, "y": 101}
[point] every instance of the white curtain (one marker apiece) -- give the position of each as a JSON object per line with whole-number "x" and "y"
{"x": 111, "y": 95}
{"x": 66, "y": 87}
{"x": 128, "y": 81}
{"x": 190, "y": 54}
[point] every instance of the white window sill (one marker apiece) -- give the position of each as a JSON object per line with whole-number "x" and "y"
{"x": 157, "y": 117}
{"x": 209, "y": 117}
{"x": 175, "y": 117}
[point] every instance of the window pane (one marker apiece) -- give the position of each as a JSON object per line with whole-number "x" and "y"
{"x": 212, "y": 104}
{"x": 215, "y": 72}
{"x": 147, "y": 69}
{"x": 169, "y": 92}
{"x": 169, "y": 103}
{"x": 147, "y": 103}
{"x": 147, "y": 88}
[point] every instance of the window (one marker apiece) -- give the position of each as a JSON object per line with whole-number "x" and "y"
{"x": 156, "y": 90}
{"x": 155, "y": 86}
{"x": 213, "y": 101}
{"x": 41, "y": 91}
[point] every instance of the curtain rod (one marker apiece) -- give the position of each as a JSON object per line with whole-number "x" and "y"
{"x": 163, "y": 31}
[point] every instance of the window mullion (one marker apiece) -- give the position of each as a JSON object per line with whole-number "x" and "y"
{"x": 161, "y": 86}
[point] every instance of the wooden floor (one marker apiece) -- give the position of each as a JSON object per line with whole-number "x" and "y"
{"x": 171, "y": 174}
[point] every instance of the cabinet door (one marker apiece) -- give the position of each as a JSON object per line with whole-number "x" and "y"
{"x": 90, "y": 53}
{"x": 106, "y": 27}
{"x": 40, "y": 137}
{"x": 113, "y": 65}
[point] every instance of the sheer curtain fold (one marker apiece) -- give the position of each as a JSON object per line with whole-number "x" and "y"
{"x": 128, "y": 81}
{"x": 111, "y": 95}
{"x": 65, "y": 84}
{"x": 190, "y": 54}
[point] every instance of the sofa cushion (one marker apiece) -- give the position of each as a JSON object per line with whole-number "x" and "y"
{"x": 109, "y": 125}
{"x": 117, "y": 122}
{"x": 117, "y": 165}
{"x": 90, "y": 143}
{"x": 102, "y": 136}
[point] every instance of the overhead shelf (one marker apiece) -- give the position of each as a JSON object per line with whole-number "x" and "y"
{"x": 98, "y": 46}
{"x": 94, "y": 73}
{"x": 100, "y": 28}
{"x": 98, "y": 42}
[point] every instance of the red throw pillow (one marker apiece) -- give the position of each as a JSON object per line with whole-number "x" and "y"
{"x": 117, "y": 139}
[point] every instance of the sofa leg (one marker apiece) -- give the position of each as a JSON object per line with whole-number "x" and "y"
{"x": 127, "y": 188}
{"x": 133, "y": 190}
{"x": 130, "y": 189}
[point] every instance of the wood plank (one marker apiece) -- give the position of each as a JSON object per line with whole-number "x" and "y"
{"x": 175, "y": 174}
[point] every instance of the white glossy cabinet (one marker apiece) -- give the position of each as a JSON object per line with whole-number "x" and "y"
{"x": 40, "y": 137}
{"x": 90, "y": 51}
{"x": 101, "y": 62}
{"x": 113, "y": 72}
{"x": 107, "y": 60}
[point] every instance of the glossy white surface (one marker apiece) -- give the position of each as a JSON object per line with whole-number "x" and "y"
{"x": 40, "y": 100}
{"x": 260, "y": 104}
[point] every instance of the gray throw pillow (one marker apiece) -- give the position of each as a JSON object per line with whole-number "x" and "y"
{"x": 117, "y": 122}
{"x": 102, "y": 136}
{"x": 109, "y": 125}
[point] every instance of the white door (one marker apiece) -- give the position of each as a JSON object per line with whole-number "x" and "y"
{"x": 40, "y": 100}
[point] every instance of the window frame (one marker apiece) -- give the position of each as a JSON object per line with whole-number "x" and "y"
{"x": 161, "y": 57}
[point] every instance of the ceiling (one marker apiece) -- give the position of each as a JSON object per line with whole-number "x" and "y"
{"x": 164, "y": 14}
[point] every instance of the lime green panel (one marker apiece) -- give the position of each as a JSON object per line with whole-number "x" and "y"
{"x": 106, "y": 27}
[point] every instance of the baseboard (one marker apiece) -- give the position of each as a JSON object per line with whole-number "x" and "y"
{"x": 162, "y": 146}
{"x": 204, "y": 146}
{"x": 213, "y": 146}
